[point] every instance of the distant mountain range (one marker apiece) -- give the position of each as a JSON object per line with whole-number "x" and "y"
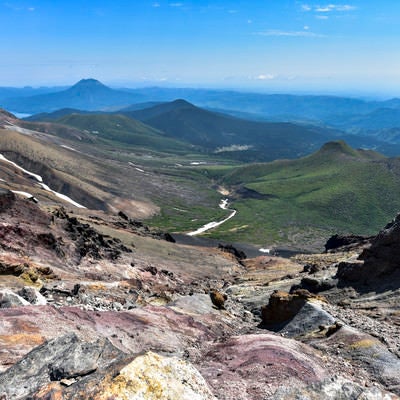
{"x": 252, "y": 123}
{"x": 90, "y": 94}
{"x": 214, "y": 132}
{"x": 87, "y": 94}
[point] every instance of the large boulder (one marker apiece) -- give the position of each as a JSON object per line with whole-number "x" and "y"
{"x": 283, "y": 307}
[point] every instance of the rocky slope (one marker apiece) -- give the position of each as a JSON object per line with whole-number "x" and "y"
{"x": 97, "y": 306}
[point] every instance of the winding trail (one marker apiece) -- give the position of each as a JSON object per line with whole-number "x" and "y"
{"x": 43, "y": 185}
{"x": 224, "y": 205}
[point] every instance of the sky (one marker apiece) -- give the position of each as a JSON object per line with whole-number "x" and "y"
{"x": 260, "y": 45}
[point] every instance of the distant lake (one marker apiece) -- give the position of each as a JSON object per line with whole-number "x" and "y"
{"x": 20, "y": 115}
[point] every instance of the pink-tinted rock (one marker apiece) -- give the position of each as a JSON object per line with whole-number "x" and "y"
{"x": 140, "y": 329}
{"x": 251, "y": 367}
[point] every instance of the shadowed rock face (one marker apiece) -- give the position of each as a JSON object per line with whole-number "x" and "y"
{"x": 338, "y": 242}
{"x": 379, "y": 263}
{"x": 7, "y": 199}
{"x": 282, "y": 307}
{"x": 382, "y": 258}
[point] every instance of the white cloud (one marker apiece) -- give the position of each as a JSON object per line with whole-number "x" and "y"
{"x": 277, "y": 32}
{"x": 265, "y": 77}
{"x": 306, "y": 27}
{"x": 249, "y": 21}
{"x": 18, "y": 8}
{"x": 156, "y": 5}
{"x": 334, "y": 7}
{"x": 232, "y": 11}
{"x": 175, "y": 4}
{"x": 321, "y": 17}
{"x": 346, "y": 8}
{"x": 306, "y": 7}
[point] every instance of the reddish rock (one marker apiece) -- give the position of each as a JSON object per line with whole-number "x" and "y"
{"x": 252, "y": 367}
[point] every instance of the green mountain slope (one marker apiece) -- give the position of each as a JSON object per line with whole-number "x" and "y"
{"x": 245, "y": 140}
{"x": 119, "y": 128}
{"x": 302, "y": 202}
{"x": 248, "y": 140}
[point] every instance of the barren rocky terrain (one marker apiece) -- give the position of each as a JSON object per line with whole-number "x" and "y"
{"x": 98, "y": 306}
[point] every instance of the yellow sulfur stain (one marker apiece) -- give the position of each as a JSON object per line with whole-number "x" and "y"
{"x": 154, "y": 377}
{"x": 22, "y": 339}
{"x": 364, "y": 343}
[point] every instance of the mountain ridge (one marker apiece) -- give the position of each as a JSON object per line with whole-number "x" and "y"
{"x": 87, "y": 94}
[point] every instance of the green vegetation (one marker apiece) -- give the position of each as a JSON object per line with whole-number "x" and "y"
{"x": 118, "y": 128}
{"x": 302, "y": 202}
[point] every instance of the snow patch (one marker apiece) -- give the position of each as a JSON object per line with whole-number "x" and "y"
{"x": 37, "y": 177}
{"x": 69, "y": 148}
{"x": 62, "y": 196}
{"x": 43, "y": 185}
{"x": 263, "y": 250}
{"x": 21, "y": 193}
{"x": 224, "y": 205}
{"x": 198, "y": 163}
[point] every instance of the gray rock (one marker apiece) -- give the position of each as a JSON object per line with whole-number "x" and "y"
{"x": 10, "y": 299}
{"x": 197, "y": 304}
{"x": 367, "y": 352}
{"x": 336, "y": 388}
{"x": 59, "y": 359}
{"x": 310, "y": 317}
{"x": 32, "y": 295}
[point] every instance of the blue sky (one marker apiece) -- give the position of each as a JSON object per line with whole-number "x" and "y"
{"x": 266, "y": 45}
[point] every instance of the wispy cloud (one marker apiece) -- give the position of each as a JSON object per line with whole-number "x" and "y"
{"x": 176, "y": 4}
{"x": 156, "y": 5}
{"x": 17, "y": 8}
{"x": 277, "y": 32}
{"x": 265, "y": 77}
{"x": 328, "y": 8}
{"x": 334, "y": 7}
